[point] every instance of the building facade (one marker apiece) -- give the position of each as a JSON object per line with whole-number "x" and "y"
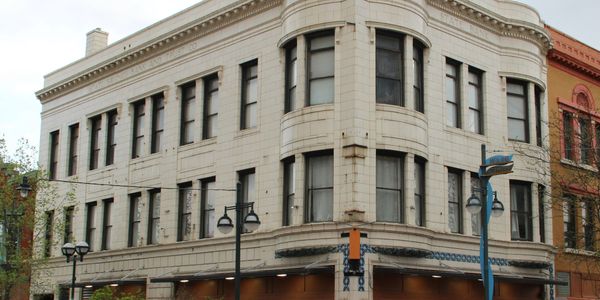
{"x": 574, "y": 84}
{"x": 333, "y": 115}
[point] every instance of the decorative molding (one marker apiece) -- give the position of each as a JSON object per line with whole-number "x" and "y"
{"x": 212, "y": 22}
{"x": 494, "y": 22}
{"x": 306, "y": 251}
{"x": 574, "y": 55}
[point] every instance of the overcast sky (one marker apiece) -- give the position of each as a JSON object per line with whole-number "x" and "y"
{"x": 41, "y": 36}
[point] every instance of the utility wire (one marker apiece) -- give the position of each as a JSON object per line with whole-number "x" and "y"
{"x": 135, "y": 186}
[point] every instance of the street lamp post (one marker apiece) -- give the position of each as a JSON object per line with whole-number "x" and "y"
{"x": 495, "y": 165}
{"x": 78, "y": 250}
{"x": 250, "y": 222}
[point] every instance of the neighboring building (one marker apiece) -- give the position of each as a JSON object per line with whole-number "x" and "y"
{"x": 573, "y": 93}
{"x": 332, "y": 114}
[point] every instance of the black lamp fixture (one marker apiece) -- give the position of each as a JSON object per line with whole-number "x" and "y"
{"x": 80, "y": 249}
{"x": 251, "y": 222}
{"x": 24, "y": 188}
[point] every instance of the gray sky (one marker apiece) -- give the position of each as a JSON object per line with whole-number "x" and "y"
{"x": 41, "y": 36}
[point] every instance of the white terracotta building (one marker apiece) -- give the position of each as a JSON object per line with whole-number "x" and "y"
{"x": 333, "y": 114}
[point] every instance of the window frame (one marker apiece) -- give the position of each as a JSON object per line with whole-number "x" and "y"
{"x": 309, "y": 53}
{"x": 456, "y": 79}
{"x": 419, "y": 81}
{"x": 570, "y": 221}
{"x": 289, "y": 190}
{"x": 95, "y": 129}
{"x": 207, "y": 117}
{"x": 90, "y": 224}
{"x": 134, "y": 223}
{"x": 291, "y": 66}
{"x": 528, "y": 213}
{"x": 420, "y": 198}
{"x": 153, "y": 221}
{"x": 186, "y": 134}
{"x": 205, "y": 225}
{"x": 480, "y": 101}
{"x": 73, "y": 149}
{"x": 48, "y": 233}
{"x": 69, "y": 213}
{"x": 184, "y": 188}
{"x": 157, "y": 136}
{"x": 399, "y": 159}
{"x": 106, "y": 223}
{"x": 400, "y": 97}
{"x": 308, "y": 218}
{"x": 54, "y": 149}
{"x": 247, "y": 77}
{"x": 459, "y": 201}
{"x": 111, "y": 144}
{"x": 525, "y": 99}
{"x": 139, "y": 114}
{"x": 542, "y": 212}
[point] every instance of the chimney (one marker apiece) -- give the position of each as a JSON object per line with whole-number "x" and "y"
{"x": 96, "y": 41}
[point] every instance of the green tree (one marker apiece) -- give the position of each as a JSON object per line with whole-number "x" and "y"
{"x": 22, "y": 224}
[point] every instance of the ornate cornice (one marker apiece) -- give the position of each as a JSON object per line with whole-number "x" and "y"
{"x": 494, "y": 22}
{"x": 228, "y": 15}
{"x": 574, "y": 55}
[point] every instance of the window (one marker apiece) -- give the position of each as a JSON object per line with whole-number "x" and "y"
{"x": 455, "y": 201}
{"x": 452, "y": 93}
{"x": 107, "y": 223}
{"x": 73, "y": 152}
{"x": 588, "y": 217}
{"x": 207, "y": 208}
{"x": 319, "y": 188}
{"x": 188, "y": 112}
{"x": 542, "y": 212}
{"x": 568, "y": 134}
{"x": 518, "y": 119}
{"x": 111, "y": 143}
{"x": 389, "y": 182}
{"x": 586, "y": 139}
{"x": 90, "y": 224}
{"x": 389, "y": 68}
{"x": 291, "y": 76}
{"x": 538, "y": 116}
{"x": 420, "y": 191}
{"x": 321, "y": 64}
{"x": 563, "y": 290}
{"x": 96, "y": 125}
{"x": 418, "y": 80}
{"x": 475, "y": 95}
{"x": 211, "y": 106}
{"x": 138, "y": 128}
{"x": 569, "y": 221}
{"x": 520, "y": 211}
{"x": 68, "y": 230}
{"x": 48, "y": 236}
{"x": 54, "y": 136}
{"x": 158, "y": 122}
{"x": 289, "y": 190}
{"x": 249, "y": 94}
{"x": 154, "y": 217}
{"x": 477, "y": 217}
{"x": 184, "y": 220}
{"x": 134, "y": 220}
{"x": 247, "y": 178}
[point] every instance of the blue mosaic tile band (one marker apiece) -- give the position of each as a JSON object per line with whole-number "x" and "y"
{"x": 551, "y": 270}
{"x": 466, "y": 258}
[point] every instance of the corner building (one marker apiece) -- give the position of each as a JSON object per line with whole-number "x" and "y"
{"x": 332, "y": 115}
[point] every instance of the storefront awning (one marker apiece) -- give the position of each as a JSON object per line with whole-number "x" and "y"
{"x": 105, "y": 282}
